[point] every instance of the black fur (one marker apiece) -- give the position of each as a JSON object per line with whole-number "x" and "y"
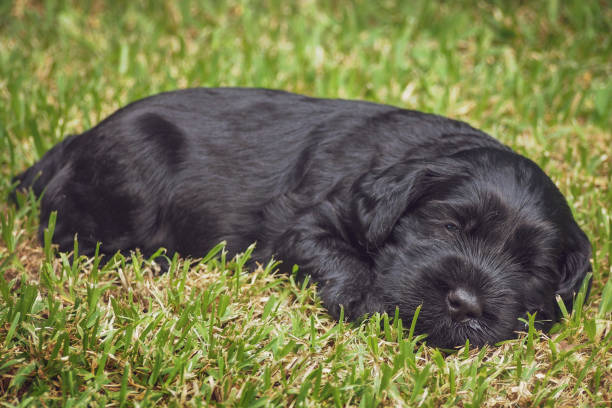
{"x": 383, "y": 207}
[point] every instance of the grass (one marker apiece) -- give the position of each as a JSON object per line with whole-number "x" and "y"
{"x": 534, "y": 74}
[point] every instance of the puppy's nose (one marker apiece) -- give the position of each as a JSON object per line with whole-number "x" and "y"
{"x": 463, "y": 305}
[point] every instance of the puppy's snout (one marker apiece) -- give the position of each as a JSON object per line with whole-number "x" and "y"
{"x": 463, "y": 305}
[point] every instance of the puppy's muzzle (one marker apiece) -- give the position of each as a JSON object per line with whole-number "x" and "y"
{"x": 464, "y": 304}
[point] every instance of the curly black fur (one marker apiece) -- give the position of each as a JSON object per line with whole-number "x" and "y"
{"x": 383, "y": 207}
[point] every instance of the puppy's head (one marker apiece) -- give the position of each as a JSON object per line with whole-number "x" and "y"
{"x": 479, "y": 239}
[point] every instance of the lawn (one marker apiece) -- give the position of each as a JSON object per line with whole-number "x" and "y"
{"x": 536, "y": 75}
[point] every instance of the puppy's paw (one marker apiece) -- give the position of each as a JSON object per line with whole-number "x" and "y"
{"x": 356, "y": 304}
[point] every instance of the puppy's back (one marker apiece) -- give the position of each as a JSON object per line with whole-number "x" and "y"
{"x": 188, "y": 168}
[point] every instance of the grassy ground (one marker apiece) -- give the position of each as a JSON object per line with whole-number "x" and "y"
{"x": 536, "y": 75}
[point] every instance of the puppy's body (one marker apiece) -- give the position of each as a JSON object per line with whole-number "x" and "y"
{"x": 384, "y": 207}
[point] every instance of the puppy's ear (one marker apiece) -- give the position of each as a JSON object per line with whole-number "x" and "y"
{"x": 574, "y": 266}
{"x": 381, "y": 197}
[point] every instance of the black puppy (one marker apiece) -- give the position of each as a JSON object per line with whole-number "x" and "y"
{"x": 383, "y": 207}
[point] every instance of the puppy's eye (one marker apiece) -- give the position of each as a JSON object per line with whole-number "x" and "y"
{"x": 451, "y": 227}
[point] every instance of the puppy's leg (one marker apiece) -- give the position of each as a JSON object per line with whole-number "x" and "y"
{"x": 344, "y": 277}
{"x": 91, "y": 211}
